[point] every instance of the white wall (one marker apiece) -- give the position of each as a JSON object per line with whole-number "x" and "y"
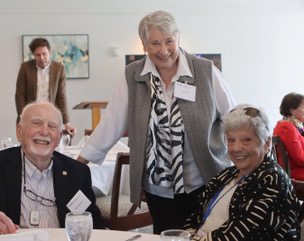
{"x": 261, "y": 42}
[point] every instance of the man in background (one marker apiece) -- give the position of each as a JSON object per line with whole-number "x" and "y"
{"x": 36, "y": 182}
{"x": 43, "y": 79}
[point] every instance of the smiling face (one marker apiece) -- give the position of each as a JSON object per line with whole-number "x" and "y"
{"x": 162, "y": 49}
{"x": 42, "y": 56}
{"x": 299, "y": 112}
{"x": 245, "y": 149}
{"x": 39, "y": 133}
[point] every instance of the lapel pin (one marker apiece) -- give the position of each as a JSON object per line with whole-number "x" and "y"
{"x": 64, "y": 173}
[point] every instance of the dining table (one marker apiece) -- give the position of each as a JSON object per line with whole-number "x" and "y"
{"x": 102, "y": 175}
{"x": 59, "y": 234}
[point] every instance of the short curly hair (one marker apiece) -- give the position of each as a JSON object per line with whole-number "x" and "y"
{"x": 39, "y": 42}
{"x": 159, "y": 19}
{"x": 239, "y": 118}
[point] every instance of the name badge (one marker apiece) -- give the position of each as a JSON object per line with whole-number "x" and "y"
{"x": 79, "y": 203}
{"x": 185, "y": 91}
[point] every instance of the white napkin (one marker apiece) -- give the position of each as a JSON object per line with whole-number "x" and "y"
{"x": 26, "y": 235}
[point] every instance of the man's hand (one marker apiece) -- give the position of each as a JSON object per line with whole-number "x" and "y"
{"x": 6, "y": 224}
{"x": 70, "y": 129}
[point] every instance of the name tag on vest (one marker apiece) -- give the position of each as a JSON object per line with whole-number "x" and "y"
{"x": 185, "y": 91}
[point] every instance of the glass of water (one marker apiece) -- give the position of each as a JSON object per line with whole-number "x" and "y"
{"x": 175, "y": 235}
{"x": 6, "y": 142}
{"x": 78, "y": 226}
{"x": 66, "y": 139}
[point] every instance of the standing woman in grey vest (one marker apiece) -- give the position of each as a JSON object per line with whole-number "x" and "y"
{"x": 171, "y": 104}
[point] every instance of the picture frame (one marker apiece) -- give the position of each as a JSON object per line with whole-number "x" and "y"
{"x": 71, "y": 50}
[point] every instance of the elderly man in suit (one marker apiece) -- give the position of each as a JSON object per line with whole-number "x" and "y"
{"x": 42, "y": 79}
{"x": 37, "y": 181}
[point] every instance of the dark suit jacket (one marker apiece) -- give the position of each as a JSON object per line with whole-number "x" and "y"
{"x": 78, "y": 177}
{"x": 26, "y": 87}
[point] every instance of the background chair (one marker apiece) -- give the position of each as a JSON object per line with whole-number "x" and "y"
{"x": 278, "y": 149}
{"x": 299, "y": 190}
{"x": 117, "y": 211}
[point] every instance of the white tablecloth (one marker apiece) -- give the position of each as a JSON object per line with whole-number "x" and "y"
{"x": 59, "y": 234}
{"x": 102, "y": 175}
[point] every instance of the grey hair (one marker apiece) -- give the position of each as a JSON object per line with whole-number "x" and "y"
{"x": 237, "y": 119}
{"x": 159, "y": 19}
{"x": 28, "y": 106}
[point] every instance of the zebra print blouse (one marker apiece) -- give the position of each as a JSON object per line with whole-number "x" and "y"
{"x": 263, "y": 207}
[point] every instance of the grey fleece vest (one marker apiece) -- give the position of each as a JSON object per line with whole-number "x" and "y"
{"x": 201, "y": 120}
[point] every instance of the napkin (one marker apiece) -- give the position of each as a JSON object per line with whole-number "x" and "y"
{"x": 26, "y": 235}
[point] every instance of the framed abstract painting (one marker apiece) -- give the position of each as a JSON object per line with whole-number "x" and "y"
{"x": 71, "y": 50}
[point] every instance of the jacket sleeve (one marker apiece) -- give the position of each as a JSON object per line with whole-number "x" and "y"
{"x": 293, "y": 143}
{"x": 20, "y": 91}
{"x": 61, "y": 99}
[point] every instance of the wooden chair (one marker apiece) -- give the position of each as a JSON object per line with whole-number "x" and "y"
{"x": 299, "y": 190}
{"x": 278, "y": 149}
{"x": 117, "y": 211}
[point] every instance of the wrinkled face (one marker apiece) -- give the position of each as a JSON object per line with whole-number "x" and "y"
{"x": 299, "y": 112}
{"x": 40, "y": 131}
{"x": 245, "y": 149}
{"x": 42, "y": 56}
{"x": 162, "y": 49}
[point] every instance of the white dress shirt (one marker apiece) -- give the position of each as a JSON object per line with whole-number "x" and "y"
{"x": 43, "y": 79}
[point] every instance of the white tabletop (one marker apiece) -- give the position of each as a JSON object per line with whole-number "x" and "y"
{"x": 102, "y": 175}
{"x": 59, "y": 234}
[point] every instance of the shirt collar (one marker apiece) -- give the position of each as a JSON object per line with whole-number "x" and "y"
{"x": 31, "y": 169}
{"x": 46, "y": 67}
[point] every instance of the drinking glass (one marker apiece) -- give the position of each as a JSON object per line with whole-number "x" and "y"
{"x": 66, "y": 139}
{"x": 175, "y": 235}
{"x": 78, "y": 226}
{"x": 6, "y": 142}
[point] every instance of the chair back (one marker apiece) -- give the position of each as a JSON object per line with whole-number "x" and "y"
{"x": 299, "y": 190}
{"x": 117, "y": 211}
{"x": 278, "y": 150}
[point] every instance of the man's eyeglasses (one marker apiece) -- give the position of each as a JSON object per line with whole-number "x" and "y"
{"x": 33, "y": 196}
{"x": 38, "y": 199}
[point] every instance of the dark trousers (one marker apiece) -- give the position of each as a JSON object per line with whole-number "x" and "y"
{"x": 172, "y": 213}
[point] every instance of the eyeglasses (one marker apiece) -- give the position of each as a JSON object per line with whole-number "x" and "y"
{"x": 33, "y": 196}
{"x": 38, "y": 199}
{"x": 251, "y": 111}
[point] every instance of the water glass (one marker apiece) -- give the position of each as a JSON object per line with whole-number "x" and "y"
{"x": 6, "y": 142}
{"x": 78, "y": 226}
{"x": 175, "y": 235}
{"x": 66, "y": 139}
